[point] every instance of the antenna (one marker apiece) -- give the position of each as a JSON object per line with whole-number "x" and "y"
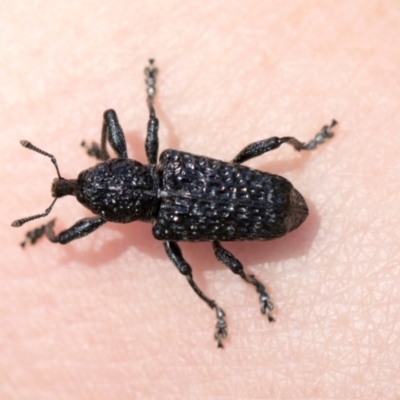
{"x": 19, "y": 222}
{"x": 30, "y": 146}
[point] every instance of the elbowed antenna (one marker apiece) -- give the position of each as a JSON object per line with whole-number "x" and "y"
{"x": 19, "y": 222}
{"x": 30, "y": 146}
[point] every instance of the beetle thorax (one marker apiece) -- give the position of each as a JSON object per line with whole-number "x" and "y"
{"x": 120, "y": 190}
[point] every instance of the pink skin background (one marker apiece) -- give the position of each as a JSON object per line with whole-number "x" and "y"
{"x": 109, "y": 316}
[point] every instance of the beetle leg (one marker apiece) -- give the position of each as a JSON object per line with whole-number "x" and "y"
{"x": 82, "y": 228}
{"x": 111, "y": 132}
{"x": 175, "y": 255}
{"x": 227, "y": 258}
{"x": 33, "y": 235}
{"x": 257, "y": 148}
{"x": 151, "y": 144}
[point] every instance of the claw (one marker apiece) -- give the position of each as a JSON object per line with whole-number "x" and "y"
{"x": 266, "y": 306}
{"x": 33, "y": 235}
{"x": 95, "y": 151}
{"x": 221, "y": 332}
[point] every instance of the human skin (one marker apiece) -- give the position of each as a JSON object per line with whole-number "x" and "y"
{"x": 109, "y": 316}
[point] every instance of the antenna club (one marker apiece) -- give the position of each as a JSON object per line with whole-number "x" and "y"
{"x": 30, "y": 146}
{"x": 25, "y": 143}
{"x": 20, "y": 222}
{"x": 17, "y": 223}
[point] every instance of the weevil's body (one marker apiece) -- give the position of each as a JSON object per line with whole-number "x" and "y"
{"x": 186, "y": 198}
{"x": 192, "y": 198}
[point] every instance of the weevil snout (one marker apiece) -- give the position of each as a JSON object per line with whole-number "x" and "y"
{"x": 63, "y": 187}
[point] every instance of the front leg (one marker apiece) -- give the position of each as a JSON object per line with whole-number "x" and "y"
{"x": 82, "y": 228}
{"x": 111, "y": 132}
{"x": 33, "y": 235}
{"x": 175, "y": 255}
{"x": 151, "y": 144}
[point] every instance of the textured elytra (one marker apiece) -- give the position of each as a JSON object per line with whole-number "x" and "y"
{"x": 206, "y": 199}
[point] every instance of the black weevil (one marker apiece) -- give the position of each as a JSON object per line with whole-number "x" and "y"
{"x": 186, "y": 198}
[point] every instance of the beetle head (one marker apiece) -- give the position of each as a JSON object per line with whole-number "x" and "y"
{"x": 60, "y": 187}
